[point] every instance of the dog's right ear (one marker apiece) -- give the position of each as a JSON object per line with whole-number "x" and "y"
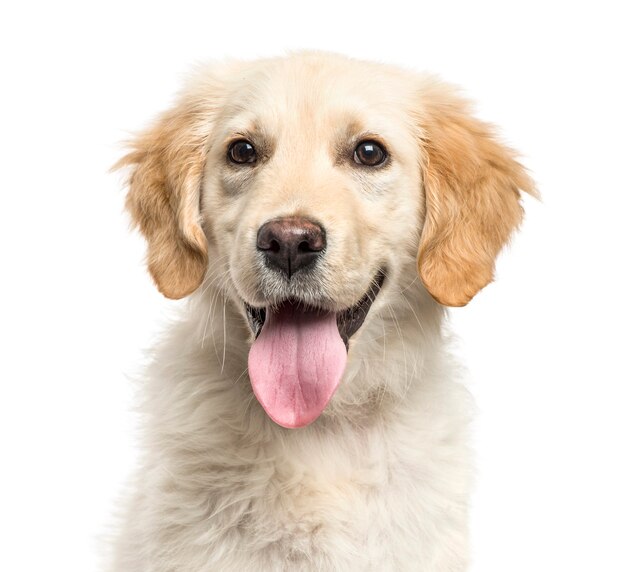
{"x": 167, "y": 163}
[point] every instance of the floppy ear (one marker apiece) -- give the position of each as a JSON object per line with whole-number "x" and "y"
{"x": 472, "y": 186}
{"x": 164, "y": 196}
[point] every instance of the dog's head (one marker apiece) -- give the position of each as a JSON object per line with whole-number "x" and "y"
{"x": 310, "y": 185}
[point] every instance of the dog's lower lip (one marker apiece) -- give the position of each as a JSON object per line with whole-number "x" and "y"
{"x": 348, "y": 321}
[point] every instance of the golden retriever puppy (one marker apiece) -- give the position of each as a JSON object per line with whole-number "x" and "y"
{"x": 304, "y": 414}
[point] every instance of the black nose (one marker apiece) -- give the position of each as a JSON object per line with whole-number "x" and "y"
{"x": 291, "y": 243}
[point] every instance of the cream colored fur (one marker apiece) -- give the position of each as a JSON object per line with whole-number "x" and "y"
{"x": 381, "y": 480}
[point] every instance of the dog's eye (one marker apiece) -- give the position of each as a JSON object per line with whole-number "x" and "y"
{"x": 242, "y": 151}
{"x": 369, "y": 153}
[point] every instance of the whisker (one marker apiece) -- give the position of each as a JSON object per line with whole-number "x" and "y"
{"x": 241, "y": 375}
{"x": 419, "y": 322}
{"x": 210, "y": 308}
{"x": 401, "y": 336}
{"x": 216, "y": 266}
{"x": 224, "y": 331}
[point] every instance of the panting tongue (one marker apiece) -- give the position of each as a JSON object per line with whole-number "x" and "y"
{"x": 296, "y": 363}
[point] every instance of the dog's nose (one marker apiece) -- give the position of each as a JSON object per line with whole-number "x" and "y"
{"x": 291, "y": 243}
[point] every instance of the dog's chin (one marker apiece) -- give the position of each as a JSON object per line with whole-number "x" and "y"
{"x": 300, "y": 352}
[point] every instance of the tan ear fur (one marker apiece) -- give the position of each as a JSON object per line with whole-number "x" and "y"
{"x": 472, "y": 185}
{"x": 164, "y": 197}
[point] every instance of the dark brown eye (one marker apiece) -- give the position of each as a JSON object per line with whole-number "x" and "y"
{"x": 242, "y": 151}
{"x": 369, "y": 153}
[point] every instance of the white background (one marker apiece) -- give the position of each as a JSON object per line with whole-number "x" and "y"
{"x": 544, "y": 344}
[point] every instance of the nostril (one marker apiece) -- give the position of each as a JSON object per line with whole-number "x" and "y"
{"x": 313, "y": 241}
{"x": 274, "y": 246}
{"x": 304, "y": 246}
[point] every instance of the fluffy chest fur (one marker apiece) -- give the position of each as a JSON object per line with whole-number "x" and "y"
{"x": 224, "y": 488}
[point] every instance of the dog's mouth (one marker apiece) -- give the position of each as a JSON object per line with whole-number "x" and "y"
{"x": 348, "y": 321}
{"x": 299, "y": 354}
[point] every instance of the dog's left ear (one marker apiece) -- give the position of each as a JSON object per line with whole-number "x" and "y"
{"x": 472, "y": 186}
{"x": 167, "y": 164}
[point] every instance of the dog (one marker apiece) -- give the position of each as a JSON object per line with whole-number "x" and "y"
{"x": 304, "y": 413}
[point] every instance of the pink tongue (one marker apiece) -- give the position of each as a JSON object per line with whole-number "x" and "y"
{"x": 296, "y": 363}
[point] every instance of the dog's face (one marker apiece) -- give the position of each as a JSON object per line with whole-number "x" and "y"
{"x": 313, "y": 184}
